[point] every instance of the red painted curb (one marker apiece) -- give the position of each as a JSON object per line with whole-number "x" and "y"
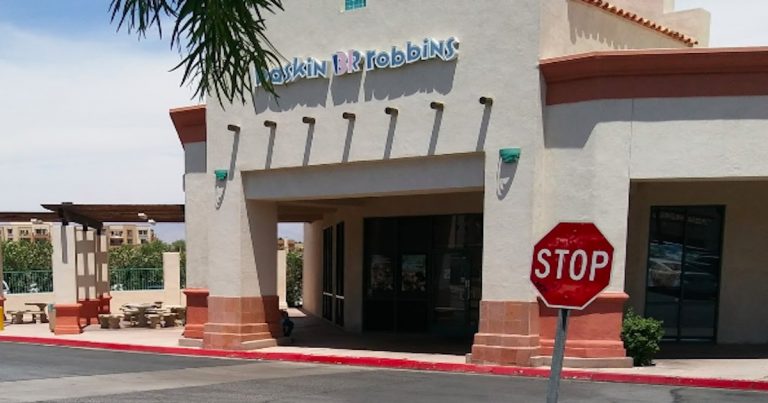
{"x": 401, "y": 363}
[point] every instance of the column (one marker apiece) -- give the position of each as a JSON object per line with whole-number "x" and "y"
{"x": 85, "y": 258}
{"x": 509, "y": 313}
{"x": 282, "y": 271}
{"x": 67, "y": 317}
{"x": 243, "y": 308}
{"x": 171, "y": 278}
{"x": 102, "y": 273}
{"x": 199, "y": 205}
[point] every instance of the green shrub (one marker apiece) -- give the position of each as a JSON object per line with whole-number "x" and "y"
{"x": 294, "y": 278}
{"x": 641, "y": 337}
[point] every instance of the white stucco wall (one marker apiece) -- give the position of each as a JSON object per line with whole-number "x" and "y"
{"x": 743, "y": 310}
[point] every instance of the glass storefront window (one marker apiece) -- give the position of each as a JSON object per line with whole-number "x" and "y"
{"x": 683, "y": 272}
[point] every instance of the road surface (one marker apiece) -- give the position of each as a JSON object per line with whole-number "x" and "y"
{"x": 42, "y": 373}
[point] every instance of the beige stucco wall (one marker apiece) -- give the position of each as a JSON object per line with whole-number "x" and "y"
{"x": 464, "y": 126}
{"x": 571, "y": 27}
{"x": 743, "y": 310}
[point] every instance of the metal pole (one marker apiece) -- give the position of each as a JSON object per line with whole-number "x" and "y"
{"x": 557, "y": 355}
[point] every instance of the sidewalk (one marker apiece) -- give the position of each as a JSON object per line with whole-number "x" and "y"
{"x": 316, "y": 341}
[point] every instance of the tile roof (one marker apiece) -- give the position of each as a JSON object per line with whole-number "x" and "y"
{"x": 626, "y": 14}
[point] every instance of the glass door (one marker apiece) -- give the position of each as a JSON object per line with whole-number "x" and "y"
{"x": 683, "y": 278}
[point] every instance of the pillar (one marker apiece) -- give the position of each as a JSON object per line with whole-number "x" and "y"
{"x": 282, "y": 271}
{"x": 243, "y": 310}
{"x": 102, "y": 273}
{"x": 86, "y": 251}
{"x": 198, "y": 206}
{"x": 67, "y": 309}
{"x": 508, "y": 330}
{"x": 172, "y": 278}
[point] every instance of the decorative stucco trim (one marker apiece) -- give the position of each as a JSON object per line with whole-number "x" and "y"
{"x": 656, "y": 74}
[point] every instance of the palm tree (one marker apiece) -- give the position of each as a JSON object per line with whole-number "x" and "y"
{"x": 220, "y": 41}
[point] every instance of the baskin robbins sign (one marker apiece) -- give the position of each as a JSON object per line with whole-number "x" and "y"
{"x": 355, "y": 61}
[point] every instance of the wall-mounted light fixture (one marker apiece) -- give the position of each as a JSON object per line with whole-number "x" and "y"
{"x": 270, "y": 123}
{"x": 221, "y": 174}
{"x": 308, "y": 120}
{"x": 391, "y": 111}
{"x": 487, "y": 101}
{"x": 233, "y": 128}
{"x": 509, "y": 155}
{"x": 348, "y": 115}
{"x": 438, "y": 106}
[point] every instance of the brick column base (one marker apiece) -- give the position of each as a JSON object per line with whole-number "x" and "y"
{"x": 197, "y": 312}
{"x": 242, "y": 323}
{"x": 594, "y": 334}
{"x": 508, "y": 333}
{"x": 67, "y": 319}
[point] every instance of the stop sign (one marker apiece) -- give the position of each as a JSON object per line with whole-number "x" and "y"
{"x": 571, "y": 265}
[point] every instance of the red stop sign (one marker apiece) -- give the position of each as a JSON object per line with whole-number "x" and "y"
{"x": 571, "y": 265}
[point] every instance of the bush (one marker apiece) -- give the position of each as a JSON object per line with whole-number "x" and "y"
{"x": 294, "y": 278}
{"x": 641, "y": 337}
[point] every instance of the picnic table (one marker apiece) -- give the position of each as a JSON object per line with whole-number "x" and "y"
{"x": 141, "y": 312}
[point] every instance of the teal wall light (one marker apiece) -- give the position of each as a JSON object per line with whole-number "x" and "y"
{"x": 509, "y": 155}
{"x": 221, "y": 174}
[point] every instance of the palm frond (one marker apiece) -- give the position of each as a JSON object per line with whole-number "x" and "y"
{"x": 220, "y": 41}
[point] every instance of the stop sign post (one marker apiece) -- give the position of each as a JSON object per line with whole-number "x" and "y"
{"x": 571, "y": 266}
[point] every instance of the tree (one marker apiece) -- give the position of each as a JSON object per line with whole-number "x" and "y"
{"x": 220, "y": 41}
{"x": 294, "y": 275}
{"x": 26, "y": 255}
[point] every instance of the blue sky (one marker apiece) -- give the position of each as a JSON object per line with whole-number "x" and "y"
{"x": 84, "y": 110}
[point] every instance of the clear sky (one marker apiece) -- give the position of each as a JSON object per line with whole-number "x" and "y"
{"x": 84, "y": 110}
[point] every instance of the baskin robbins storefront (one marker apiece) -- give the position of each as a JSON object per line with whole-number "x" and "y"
{"x": 354, "y": 61}
{"x": 424, "y": 172}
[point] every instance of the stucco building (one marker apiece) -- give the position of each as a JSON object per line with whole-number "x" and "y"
{"x": 388, "y": 147}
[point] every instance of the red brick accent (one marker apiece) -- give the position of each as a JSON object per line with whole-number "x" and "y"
{"x": 592, "y": 333}
{"x": 197, "y": 312}
{"x": 656, "y": 73}
{"x": 233, "y": 321}
{"x": 67, "y": 319}
{"x": 508, "y": 334}
{"x": 189, "y": 123}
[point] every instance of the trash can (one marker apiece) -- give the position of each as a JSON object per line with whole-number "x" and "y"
{"x": 51, "y": 317}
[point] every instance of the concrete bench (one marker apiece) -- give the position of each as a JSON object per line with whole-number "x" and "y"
{"x": 169, "y": 319}
{"x": 104, "y": 321}
{"x": 17, "y": 317}
{"x": 114, "y": 321}
{"x": 41, "y": 317}
{"x": 154, "y": 320}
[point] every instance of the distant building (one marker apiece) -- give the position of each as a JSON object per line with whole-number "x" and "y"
{"x": 289, "y": 244}
{"x": 118, "y": 235}
{"x": 25, "y": 231}
{"x": 129, "y": 234}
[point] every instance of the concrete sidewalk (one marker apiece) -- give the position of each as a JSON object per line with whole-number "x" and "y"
{"x": 317, "y": 341}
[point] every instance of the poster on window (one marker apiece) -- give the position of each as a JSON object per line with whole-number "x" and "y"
{"x": 382, "y": 277}
{"x": 414, "y": 273}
